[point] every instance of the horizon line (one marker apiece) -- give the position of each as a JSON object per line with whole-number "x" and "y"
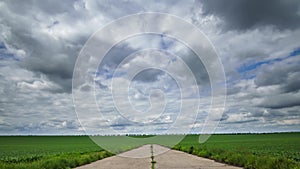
{"x": 229, "y": 133}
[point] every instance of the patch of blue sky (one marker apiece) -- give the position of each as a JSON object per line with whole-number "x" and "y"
{"x": 8, "y": 56}
{"x": 107, "y": 73}
{"x": 246, "y": 69}
{"x": 2, "y": 46}
{"x": 295, "y": 53}
{"x": 249, "y": 67}
{"x": 5, "y": 55}
{"x": 116, "y": 74}
{"x": 108, "y": 76}
{"x": 165, "y": 42}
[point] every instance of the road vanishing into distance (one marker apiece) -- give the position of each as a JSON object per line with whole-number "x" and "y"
{"x": 170, "y": 159}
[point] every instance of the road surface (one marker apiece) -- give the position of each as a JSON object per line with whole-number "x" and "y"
{"x": 169, "y": 160}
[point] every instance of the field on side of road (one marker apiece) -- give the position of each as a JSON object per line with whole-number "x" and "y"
{"x": 278, "y": 150}
{"x": 48, "y": 151}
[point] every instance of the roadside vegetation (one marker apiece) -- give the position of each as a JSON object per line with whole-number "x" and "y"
{"x": 51, "y": 152}
{"x": 251, "y": 151}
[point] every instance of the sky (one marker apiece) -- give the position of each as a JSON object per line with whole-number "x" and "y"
{"x": 257, "y": 42}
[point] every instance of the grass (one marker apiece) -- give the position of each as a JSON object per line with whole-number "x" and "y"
{"x": 253, "y": 151}
{"x": 48, "y": 151}
{"x": 281, "y": 150}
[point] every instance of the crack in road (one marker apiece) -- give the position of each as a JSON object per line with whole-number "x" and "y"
{"x": 152, "y": 158}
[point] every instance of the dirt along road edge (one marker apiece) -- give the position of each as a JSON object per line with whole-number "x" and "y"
{"x": 171, "y": 159}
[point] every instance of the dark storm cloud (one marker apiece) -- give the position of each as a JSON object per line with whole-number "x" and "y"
{"x": 27, "y": 29}
{"x": 50, "y": 57}
{"x": 246, "y": 14}
{"x": 278, "y": 85}
{"x": 198, "y": 69}
{"x": 293, "y": 83}
{"x": 285, "y": 75}
{"x": 280, "y": 101}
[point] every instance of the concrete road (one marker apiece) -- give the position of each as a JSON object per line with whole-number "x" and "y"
{"x": 122, "y": 161}
{"x": 168, "y": 160}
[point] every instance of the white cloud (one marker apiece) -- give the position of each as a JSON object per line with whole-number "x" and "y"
{"x": 43, "y": 40}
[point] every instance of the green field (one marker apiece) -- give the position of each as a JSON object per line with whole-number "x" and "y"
{"x": 280, "y": 150}
{"x": 246, "y": 150}
{"x": 48, "y": 151}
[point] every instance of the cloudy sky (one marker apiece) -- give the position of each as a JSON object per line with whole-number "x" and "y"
{"x": 258, "y": 43}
